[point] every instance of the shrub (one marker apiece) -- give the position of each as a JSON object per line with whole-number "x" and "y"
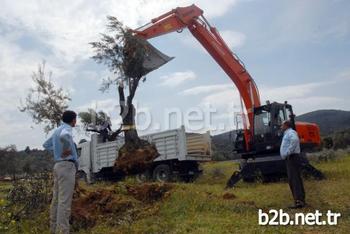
{"x": 26, "y": 197}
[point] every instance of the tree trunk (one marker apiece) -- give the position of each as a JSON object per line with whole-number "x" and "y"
{"x": 128, "y": 113}
{"x": 130, "y": 133}
{"x": 136, "y": 155}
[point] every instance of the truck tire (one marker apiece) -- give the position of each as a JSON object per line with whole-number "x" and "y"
{"x": 190, "y": 178}
{"x": 162, "y": 173}
{"x": 249, "y": 179}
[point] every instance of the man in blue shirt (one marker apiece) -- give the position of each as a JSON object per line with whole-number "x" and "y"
{"x": 290, "y": 151}
{"x": 65, "y": 155}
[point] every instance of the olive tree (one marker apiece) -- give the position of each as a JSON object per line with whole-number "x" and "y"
{"x": 125, "y": 55}
{"x": 45, "y": 103}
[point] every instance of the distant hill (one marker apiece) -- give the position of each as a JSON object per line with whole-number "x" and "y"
{"x": 329, "y": 121}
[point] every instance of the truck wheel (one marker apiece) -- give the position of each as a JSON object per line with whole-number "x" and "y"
{"x": 189, "y": 178}
{"x": 143, "y": 177}
{"x": 249, "y": 179}
{"x": 162, "y": 173}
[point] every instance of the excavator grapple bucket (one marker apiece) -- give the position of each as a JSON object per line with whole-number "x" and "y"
{"x": 154, "y": 59}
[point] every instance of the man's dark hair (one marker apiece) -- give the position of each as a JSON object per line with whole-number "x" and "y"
{"x": 287, "y": 123}
{"x": 68, "y": 116}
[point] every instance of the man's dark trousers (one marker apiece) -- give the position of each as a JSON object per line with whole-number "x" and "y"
{"x": 294, "y": 178}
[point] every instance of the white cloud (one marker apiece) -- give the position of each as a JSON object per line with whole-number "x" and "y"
{"x": 177, "y": 78}
{"x": 344, "y": 75}
{"x": 233, "y": 39}
{"x": 212, "y": 10}
{"x": 67, "y": 26}
{"x": 223, "y": 98}
{"x": 15, "y": 71}
{"x": 109, "y": 105}
{"x": 188, "y": 40}
{"x": 287, "y": 92}
{"x": 310, "y": 103}
{"x": 205, "y": 89}
{"x": 303, "y": 97}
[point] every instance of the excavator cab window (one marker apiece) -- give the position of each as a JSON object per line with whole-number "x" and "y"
{"x": 281, "y": 113}
{"x": 289, "y": 113}
{"x": 281, "y": 117}
{"x": 267, "y": 125}
{"x": 262, "y": 122}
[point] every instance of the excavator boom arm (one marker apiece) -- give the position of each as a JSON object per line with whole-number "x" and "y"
{"x": 174, "y": 20}
{"x": 191, "y": 17}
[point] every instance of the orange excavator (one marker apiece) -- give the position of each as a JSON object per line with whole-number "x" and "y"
{"x": 259, "y": 141}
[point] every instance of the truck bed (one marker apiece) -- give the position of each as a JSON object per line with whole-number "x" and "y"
{"x": 171, "y": 144}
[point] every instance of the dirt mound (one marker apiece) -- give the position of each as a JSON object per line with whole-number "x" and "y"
{"x": 87, "y": 209}
{"x": 134, "y": 160}
{"x": 115, "y": 206}
{"x": 149, "y": 192}
{"x": 228, "y": 196}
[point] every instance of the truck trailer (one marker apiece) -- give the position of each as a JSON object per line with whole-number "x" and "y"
{"x": 180, "y": 155}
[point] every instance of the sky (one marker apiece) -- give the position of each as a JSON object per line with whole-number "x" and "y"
{"x": 297, "y": 51}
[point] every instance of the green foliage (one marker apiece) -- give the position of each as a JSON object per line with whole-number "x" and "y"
{"x": 223, "y": 146}
{"x": 326, "y": 155}
{"x": 327, "y": 142}
{"x": 26, "y": 198}
{"x": 30, "y": 194}
{"x": 92, "y": 117}
{"x": 122, "y": 52}
{"x": 19, "y": 163}
{"x": 45, "y": 103}
{"x": 337, "y": 140}
{"x": 341, "y": 139}
{"x": 8, "y": 162}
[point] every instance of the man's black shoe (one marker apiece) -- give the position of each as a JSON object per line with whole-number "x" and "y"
{"x": 297, "y": 205}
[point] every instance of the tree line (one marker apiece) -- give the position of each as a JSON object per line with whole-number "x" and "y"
{"x": 17, "y": 164}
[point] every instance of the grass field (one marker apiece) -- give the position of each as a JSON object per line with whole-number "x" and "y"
{"x": 205, "y": 207}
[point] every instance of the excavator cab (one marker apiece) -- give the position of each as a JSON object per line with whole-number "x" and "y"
{"x": 267, "y": 126}
{"x": 267, "y": 129}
